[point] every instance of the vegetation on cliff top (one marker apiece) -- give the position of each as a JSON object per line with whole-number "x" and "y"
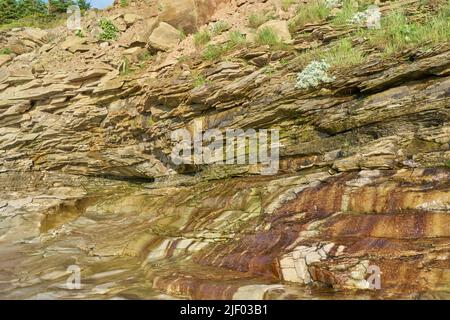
{"x": 35, "y": 13}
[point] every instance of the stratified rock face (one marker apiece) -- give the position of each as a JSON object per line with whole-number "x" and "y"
{"x": 359, "y": 207}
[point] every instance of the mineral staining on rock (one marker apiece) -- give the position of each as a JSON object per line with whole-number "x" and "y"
{"x": 86, "y": 177}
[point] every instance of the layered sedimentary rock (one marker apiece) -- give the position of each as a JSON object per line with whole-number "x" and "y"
{"x": 86, "y": 176}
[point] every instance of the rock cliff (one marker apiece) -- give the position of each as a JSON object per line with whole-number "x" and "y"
{"x": 87, "y": 178}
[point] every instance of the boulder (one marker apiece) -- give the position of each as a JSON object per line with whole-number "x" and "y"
{"x": 164, "y": 38}
{"x": 18, "y": 46}
{"x": 187, "y": 15}
{"x": 139, "y": 37}
{"x": 35, "y": 34}
{"x": 280, "y": 27}
{"x": 181, "y": 14}
{"x": 131, "y": 18}
{"x": 206, "y": 9}
{"x": 72, "y": 42}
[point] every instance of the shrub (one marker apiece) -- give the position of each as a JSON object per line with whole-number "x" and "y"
{"x": 202, "y": 37}
{"x": 123, "y": 3}
{"x": 314, "y": 74}
{"x": 109, "y": 30}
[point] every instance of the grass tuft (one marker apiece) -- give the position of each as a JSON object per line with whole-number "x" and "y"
{"x": 312, "y": 12}
{"x": 344, "y": 54}
{"x": 257, "y": 19}
{"x": 267, "y": 36}
{"x": 202, "y": 37}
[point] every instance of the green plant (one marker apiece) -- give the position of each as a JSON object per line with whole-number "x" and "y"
{"x": 124, "y": 68}
{"x": 269, "y": 70}
{"x": 398, "y": 32}
{"x": 79, "y": 33}
{"x": 202, "y": 37}
{"x": 267, "y": 36}
{"x": 143, "y": 58}
{"x": 286, "y": 4}
{"x": 313, "y": 75}
{"x": 236, "y": 38}
{"x": 150, "y": 121}
{"x": 312, "y": 12}
{"x": 219, "y": 27}
{"x": 109, "y": 30}
{"x": 182, "y": 33}
{"x": 348, "y": 10}
{"x": 343, "y": 54}
{"x": 256, "y": 19}
{"x": 5, "y": 51}
{"x": 123, "y": 3}
{"x": 200, "y": 80}
{"x": 183, "y": 59}
{"x": 213, "y": 52}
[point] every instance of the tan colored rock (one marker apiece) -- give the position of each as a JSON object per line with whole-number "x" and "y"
{"x": 18, "y": 46}
{"x": 180, "y": 14}
{"x": 187, "y": 15}
{"x": 35, "y": 34}
{"x": 131, "y": 18}
{"x": 133, "y": 54}
{"x": 4, "y": 58}
{"x": 73, "y": 42}
{"x": 164, "y": 38}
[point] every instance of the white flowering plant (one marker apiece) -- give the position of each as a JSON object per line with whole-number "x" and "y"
{"x": 314, "y": 74}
